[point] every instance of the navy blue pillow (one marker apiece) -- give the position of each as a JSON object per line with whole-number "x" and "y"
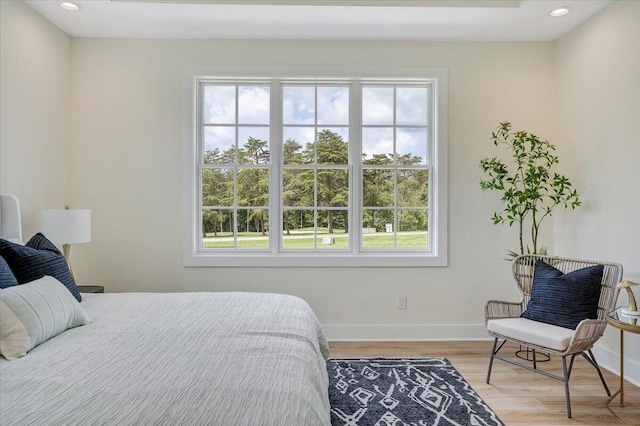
{"x": 39, "y": 257}
{"x": 7, "y": 279}
{"x": 564, "y": 299}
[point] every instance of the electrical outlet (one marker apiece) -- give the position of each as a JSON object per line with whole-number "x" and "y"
{"x": 402, "y": 302}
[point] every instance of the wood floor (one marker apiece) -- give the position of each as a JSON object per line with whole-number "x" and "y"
{"x": 518, "y": 396}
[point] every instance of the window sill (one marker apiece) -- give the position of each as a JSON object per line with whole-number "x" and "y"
{"x": 320, "y": 261}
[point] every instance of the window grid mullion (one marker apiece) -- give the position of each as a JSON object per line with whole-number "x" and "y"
{"x": 355, "y": 160}
{"x": 315, "y": 171}
{"x": 395, "y": 170}
{"x": 315, "y": 205}
{"x": 235, "y": 167}
{"x": 276, "y": 175}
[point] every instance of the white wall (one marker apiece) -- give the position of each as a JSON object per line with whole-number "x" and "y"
{"x": 127, "y": 99}
{"x": 34, "y": 111}
{"x": 125, "y": 159}
{"x": 598, "y": 103}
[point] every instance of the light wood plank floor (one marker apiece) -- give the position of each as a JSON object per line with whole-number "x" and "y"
{"x": 518, "y": 396}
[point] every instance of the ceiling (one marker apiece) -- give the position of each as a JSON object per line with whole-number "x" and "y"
{"x": 445, "y": 20}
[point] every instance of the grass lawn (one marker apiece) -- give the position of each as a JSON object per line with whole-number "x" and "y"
{"x": 303, "y": 239}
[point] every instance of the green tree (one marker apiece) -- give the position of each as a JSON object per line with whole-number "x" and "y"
{"x": 216, "y": 157}
{"x": 254, "y": 151}
{"x": 332, "y": 149}
{"x": 297, "y": 191}
{"x": 297, "y": 184}
{"x": 253, "y": 183}
{"x": 333, "y": 184}
{"x": 212, "y": 157}
{"x": 377, "y": 189}
{"x": 291, "y": 153}
{"x": 412, "y": 191}
{"x": 217, "y": 190}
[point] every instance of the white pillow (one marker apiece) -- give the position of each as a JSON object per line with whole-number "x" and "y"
{"x": 34, "y": 312}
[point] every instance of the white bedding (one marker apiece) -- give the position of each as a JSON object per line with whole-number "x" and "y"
{"x": 175, "y": 359}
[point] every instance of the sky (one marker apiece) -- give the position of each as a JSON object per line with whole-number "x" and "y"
{"x": 301, "y": 109}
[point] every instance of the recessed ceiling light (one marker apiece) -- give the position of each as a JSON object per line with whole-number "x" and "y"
{"x": 560, "y": 11}
{"x": 69, "y": 6}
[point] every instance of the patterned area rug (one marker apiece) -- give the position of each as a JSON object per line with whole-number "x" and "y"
{"x": 398, "y": 392}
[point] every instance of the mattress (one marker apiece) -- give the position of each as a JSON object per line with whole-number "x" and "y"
{"x": 178, "y": 359}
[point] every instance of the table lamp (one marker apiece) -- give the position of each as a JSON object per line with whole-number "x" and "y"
{"x": 67, "y": 226}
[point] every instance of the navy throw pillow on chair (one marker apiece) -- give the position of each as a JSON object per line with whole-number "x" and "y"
{"x": 38, "y": 258}
{"x": 7, "y": 279}
{"x": 564, "y": 299}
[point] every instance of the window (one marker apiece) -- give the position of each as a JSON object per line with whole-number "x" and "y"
{"x": 235, "y": 163}
{"x": 315, "y": 168}
{"x": 395, "y": 167}
{"x": 316, "y": 172}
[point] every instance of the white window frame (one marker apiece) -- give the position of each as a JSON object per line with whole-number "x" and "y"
{"x": 193, "y": 256}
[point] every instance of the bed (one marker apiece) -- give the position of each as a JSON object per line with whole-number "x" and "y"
{"x": 175, "y": 358}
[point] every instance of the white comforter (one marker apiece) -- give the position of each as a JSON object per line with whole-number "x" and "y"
{"x": 175, "y": 359}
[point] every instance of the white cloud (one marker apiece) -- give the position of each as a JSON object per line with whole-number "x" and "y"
{"x": 298, "y": 105}
{"x": 411, "y": 105}
{"x": 219, "y": 137}
{"x": 411, "y": 109}
{"x": 377, "y": 105}
{"x": 302, "y": 135}
{"x": 333, "y": 105}
{"x": 244, "y": 133}
{"x": 412, "y": 141}
{"x": 377, "y": 140}
{"x": 341, "y": 131}
{"x": 253, "y": 105}
{"x": 220, "y": 104}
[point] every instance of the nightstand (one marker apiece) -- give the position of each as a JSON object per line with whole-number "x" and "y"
{"x": 91, "y": 289}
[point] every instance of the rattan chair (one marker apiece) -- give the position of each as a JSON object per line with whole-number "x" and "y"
{"x": 570, "y": 342}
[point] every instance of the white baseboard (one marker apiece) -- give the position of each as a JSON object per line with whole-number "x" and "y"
{"x": 404, "y": 332}
{"x": 611, "y": 361}
{"x": 450, "y": 332}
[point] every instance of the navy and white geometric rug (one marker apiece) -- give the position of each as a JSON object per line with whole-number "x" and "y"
{"x": 405, "y": 391}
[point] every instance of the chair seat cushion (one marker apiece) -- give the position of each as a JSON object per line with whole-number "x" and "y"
{"x": 537, "y": 333}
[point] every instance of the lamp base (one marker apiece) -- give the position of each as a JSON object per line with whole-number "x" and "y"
{"x": 66, "y": 250}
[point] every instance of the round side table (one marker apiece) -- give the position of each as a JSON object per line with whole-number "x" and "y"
{"x": 619, "y": 320}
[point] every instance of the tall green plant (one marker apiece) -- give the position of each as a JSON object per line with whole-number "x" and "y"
{"x": 530, "y": 189}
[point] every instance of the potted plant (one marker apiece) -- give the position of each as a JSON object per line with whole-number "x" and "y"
{"x": 530, "y": 189}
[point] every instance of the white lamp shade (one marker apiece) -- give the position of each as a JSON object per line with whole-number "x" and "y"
{"x": 67, "y": 226}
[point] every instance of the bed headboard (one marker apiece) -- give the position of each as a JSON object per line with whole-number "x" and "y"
{"x": 10, "y": 223}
